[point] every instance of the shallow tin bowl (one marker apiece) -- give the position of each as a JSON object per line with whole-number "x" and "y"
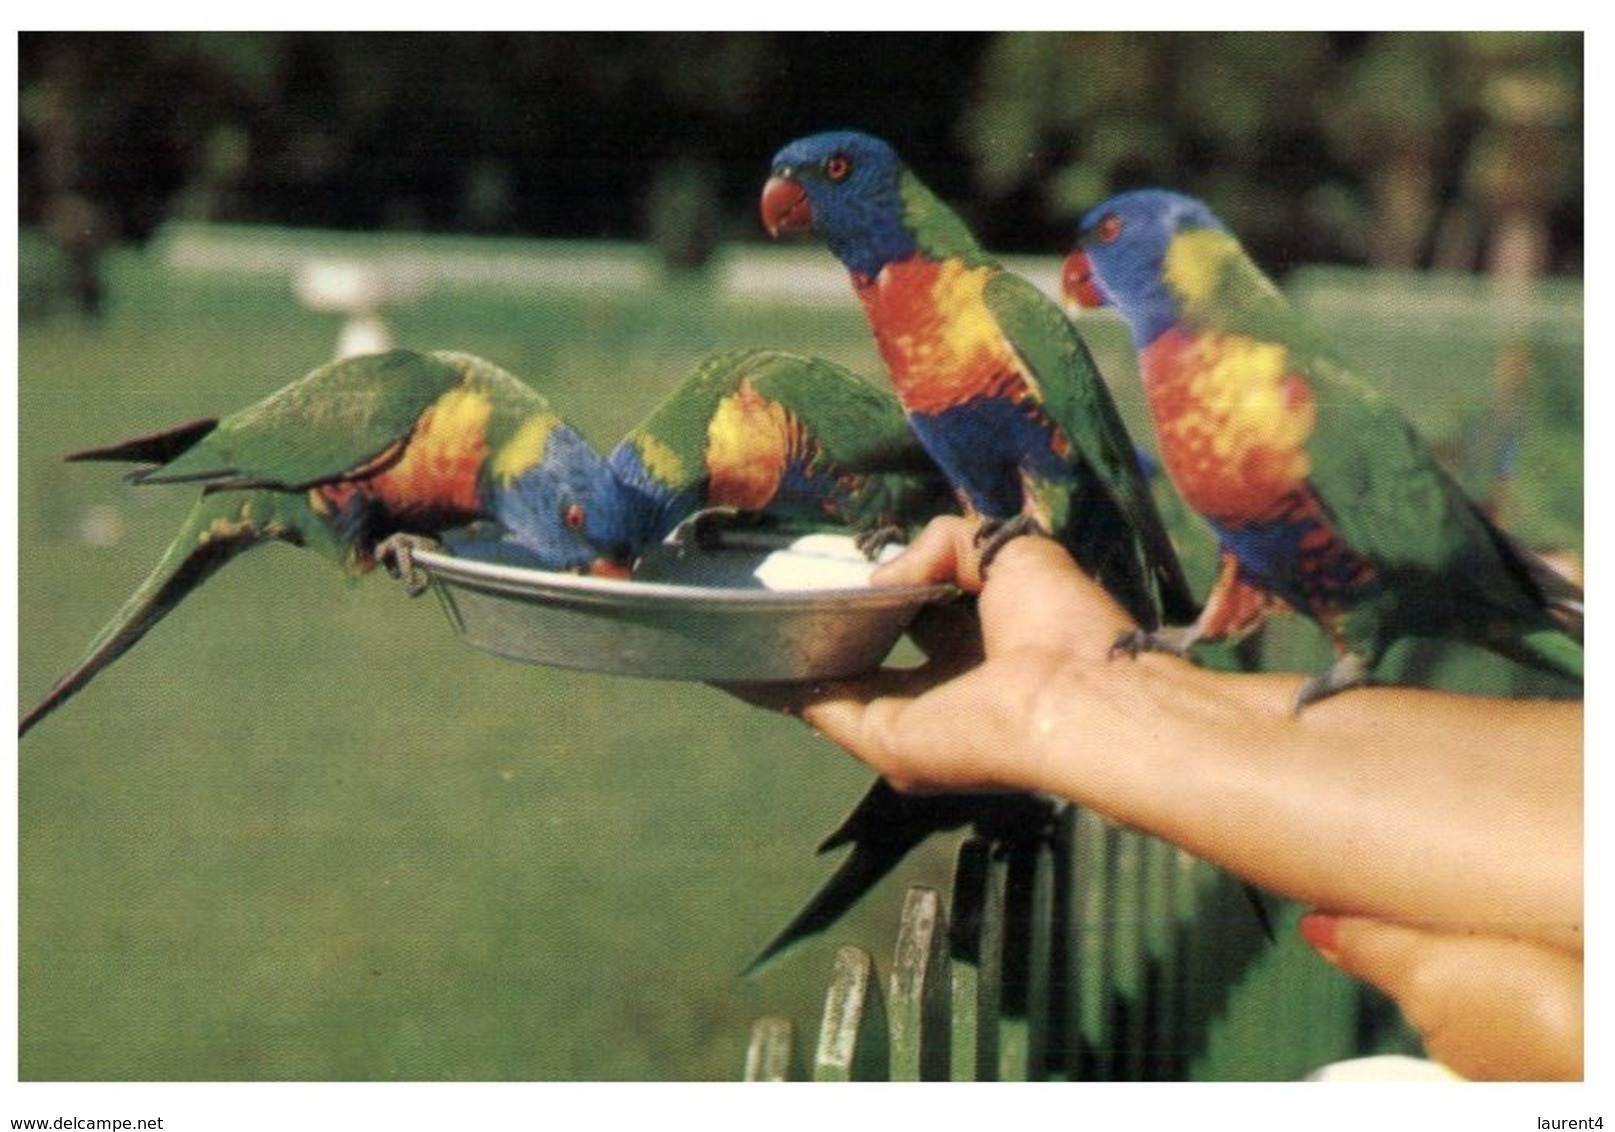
{"x": 744, "y": 612}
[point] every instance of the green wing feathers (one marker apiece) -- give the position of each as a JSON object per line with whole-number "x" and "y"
{"x": 1073, "y": 390}
{"x": 860, "y": 427}
{"x": 1077, "y": 399}
{"x": 336, "y": 419}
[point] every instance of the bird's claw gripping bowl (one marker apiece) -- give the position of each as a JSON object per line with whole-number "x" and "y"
{"x": 752, "y": 609}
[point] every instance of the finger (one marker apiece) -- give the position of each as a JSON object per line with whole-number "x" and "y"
{"x": 945, "y": 552}
{"x": 1038, "y": 598}
{"x": 1066, "y": 598}
{"x": 858, "y": 717}
{"x": 857, "y": 713}
{"x": 955, "y": 735}
{"x": 1352, "y": 943}
{"x": 949, "y": 636}
{"x": 1487, "y": 1006}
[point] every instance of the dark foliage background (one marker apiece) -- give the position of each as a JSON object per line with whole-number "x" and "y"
{"x": 1393, "y": 149}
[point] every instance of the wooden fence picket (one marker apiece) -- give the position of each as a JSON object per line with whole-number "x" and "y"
{"x": 974, "y": 957}
{"x": 920, "y": 998}
{"x": 771, "y": 1053}
{"x": 1099, "y": 953}
{"x": 854, "y": 1039}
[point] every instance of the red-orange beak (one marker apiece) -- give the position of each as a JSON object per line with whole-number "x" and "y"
{"x": 1077, "y": 282}
{"x": 607, "y": 568}
{"x": 785, "y": 206}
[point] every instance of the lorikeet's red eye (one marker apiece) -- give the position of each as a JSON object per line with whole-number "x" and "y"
{"x": 838, "y": 166}
{"x": 1108, "y": 228}
{"x": 572, "y": 516}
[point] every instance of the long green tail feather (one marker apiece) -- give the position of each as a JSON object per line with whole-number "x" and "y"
{"x": 154, "y": 448}
{"x": 221, "y": 526}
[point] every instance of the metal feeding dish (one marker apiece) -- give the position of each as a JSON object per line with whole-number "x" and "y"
{"x": 752, "y": 609}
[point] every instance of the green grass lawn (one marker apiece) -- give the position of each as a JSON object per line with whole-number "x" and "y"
{"x": 302, "y": 832}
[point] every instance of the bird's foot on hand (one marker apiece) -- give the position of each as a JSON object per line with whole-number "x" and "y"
{"x": 872, "y": 542}
{"x": 995, "y": 534}
{"x": 396, "y": 553}
{"x": 1172, "y": 641}
{"x": 1348, "y": 671}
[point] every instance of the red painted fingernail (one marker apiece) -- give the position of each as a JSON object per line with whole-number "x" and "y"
{"x": 1318, "y": 929}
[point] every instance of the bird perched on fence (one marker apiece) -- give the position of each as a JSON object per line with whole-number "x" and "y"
{"x": 1000, "y": 389}
{"x": 1322, "y": 496}
{"x": 451, "y": 447}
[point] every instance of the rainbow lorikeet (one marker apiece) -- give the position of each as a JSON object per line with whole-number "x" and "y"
{"x": 770, "y": 433}
{"x": 356, "y": 451}
{"x": 1001, "y": 390}
{"x": 453, "y": 448}
{"x": 1322, "y": 496}
{"x": 996, "y": 382}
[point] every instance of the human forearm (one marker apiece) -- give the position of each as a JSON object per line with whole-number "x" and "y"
{"x": 1408, "y": 805}
{"x": 1391, "y": 802}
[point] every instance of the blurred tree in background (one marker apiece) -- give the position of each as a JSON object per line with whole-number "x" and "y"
{"x": 1459, "y": 150}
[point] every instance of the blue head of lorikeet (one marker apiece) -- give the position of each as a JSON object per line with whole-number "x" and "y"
{"x": 1120, "y": 256}
{"x": 565, "y": 511}
{"x": 846, "y": 186}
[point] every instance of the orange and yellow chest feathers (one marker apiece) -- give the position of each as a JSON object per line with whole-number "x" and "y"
{"x": 1232, "y": 416}
{"x": 937, "y": 335}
